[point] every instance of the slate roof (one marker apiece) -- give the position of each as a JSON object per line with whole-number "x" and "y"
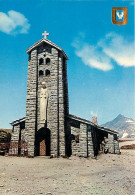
{"x": 91, "y": 123}
{"x": 18, "y": 121}
{"x": 70, "y": 116}
{"x": 38, "y": 43}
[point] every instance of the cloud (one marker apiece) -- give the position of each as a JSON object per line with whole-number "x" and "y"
{"x": 112, "y": 47}
{"x": 94, "y": 58}
{"x": 13, "y": 23}
{"x": 93, "y": 113}
{"x": 119, "y": 49}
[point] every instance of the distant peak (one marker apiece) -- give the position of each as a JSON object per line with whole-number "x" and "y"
{"x": 120, "y": 116}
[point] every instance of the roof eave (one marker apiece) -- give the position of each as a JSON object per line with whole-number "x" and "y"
{"x": 18, "y": 121}
{"x": 38, "y": 43}
{"x": 91, "y": 123}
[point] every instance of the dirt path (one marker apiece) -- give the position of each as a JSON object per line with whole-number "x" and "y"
{"x": 108, "y": 175}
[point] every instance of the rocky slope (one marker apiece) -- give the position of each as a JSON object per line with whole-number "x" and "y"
{"x": 4, "y": 136}
{"x": 125, "y": 126}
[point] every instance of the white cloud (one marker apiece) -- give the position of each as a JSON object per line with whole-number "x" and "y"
{"x": 111, "y": 47}
{"x": 93, "y": 113}
{"x": 13, "y": 23}
{"x": 119, "y": 49}
{"x": 92, "y": 57}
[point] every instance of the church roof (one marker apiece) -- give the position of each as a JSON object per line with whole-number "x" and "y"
{"x": 91, "y": 123}
{"x": 70, "y": 116}
{"x": 38, "y": 43}
{"x": 16, "y": 122}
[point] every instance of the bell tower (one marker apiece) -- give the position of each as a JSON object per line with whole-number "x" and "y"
{"x": 47, "y": 100}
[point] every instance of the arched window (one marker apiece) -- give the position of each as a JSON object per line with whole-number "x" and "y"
{"x": 41, "y": 73}
{"x": 47, "y": 72}
{"x": 47, "y": 60}
{"x": 41, "y": 61}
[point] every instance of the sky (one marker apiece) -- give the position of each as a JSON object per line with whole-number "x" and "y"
{"x": 101, "y": 55}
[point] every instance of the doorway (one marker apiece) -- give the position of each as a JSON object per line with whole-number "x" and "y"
{"x": 42, "y": 151}
{"x": 43, "y": 142}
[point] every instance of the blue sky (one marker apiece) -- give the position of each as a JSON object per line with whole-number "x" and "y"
{"x": 100, "y": 66}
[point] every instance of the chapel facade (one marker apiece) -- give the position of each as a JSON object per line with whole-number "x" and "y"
{"x": 48, "y": 129}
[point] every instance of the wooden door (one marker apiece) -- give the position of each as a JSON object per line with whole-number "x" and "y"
{"x": 42, "y": 148}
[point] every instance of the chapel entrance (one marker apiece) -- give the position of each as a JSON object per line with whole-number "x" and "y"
{"x": 43, "y": 142}
{"x": 42, "y": 148}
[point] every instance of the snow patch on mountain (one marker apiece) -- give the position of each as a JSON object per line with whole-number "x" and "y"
{"x": 124, "y": 125}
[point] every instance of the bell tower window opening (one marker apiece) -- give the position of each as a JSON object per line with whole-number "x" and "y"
{"x": 41, "y": 73}
{"x": 48, "y": 61}
{"x": 47, "y": 72}
{"x": 41, "y": 61}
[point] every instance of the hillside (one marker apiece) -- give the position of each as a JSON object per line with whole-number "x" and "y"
{"x": 4, "y": 136}
{"x": 125, "y": 126}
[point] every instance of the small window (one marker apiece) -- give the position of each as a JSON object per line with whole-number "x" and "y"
{"x": 41, "y": 73}
{"x": 41, "y": 61}
{"x": 115, "y": 137}
{"x": 47, "y": 72}
{"x": 77, "y": 138}
{"x": 48, "y": 61}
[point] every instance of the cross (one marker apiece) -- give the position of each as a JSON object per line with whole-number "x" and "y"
{"x": 45, "y": 34}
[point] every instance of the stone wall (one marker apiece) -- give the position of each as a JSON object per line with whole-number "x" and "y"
{"x": 90, "y": 142}
{"x": 18, "y": 143}
{"x": 15, "y": 133}
{"x": 82, "y": 147}
{"x": 83, "y": 140}
{"x": 116, "y": 146}
{"x": 112, "y": 145}
{"x": 30, "y": 123}
{"x": 75, "y": 146}
{"x": 13, "y": 150}
{"x": 90, "y": 138}
{"x": 57, "y": 109}
{"x": 61, "y": 109}
{"x": 23, "y": 143}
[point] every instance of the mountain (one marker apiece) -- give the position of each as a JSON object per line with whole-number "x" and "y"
{"x": 4, "y": 136}
{"x": 124, "y": 125}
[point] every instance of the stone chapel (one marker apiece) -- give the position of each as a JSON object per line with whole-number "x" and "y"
{"x": 48, "y": 129}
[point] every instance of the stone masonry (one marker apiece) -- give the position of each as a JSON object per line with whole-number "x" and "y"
{"x": 58, "y": 134}
{"x": 56, "y": 83}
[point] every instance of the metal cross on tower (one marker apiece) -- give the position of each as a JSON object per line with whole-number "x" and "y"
{"x": 45, "y": 34}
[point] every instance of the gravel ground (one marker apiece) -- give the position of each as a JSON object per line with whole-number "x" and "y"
{"x": 107, "y": 175}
